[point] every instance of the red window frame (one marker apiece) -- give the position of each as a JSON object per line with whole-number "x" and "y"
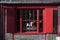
{"x": 28, "y": 7}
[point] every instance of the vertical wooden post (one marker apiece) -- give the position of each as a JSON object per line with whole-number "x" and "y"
{"x": 2, "y": 23}
{"x": 45, "y": 36}
{"x": 37, "y": 20}
{"x": 20, "y": 21}
{"x": 12, "y": 36}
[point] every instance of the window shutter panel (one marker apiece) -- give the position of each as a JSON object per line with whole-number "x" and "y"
{"x": 10, "y": 20}
{"x": 48, "y": 20}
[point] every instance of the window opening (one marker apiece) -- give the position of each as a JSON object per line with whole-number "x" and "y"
{"x": 41, "y": 20}
{"x": 55, "y": 20}
{"x": 18, "y": 20}
{"x": 29, "y": 20}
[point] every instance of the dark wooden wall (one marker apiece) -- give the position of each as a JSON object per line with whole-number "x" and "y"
{"x": 0, "y": 25}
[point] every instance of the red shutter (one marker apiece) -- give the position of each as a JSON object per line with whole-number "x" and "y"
{"x": 48, "y": 20}
{"x": 10, "y": 20}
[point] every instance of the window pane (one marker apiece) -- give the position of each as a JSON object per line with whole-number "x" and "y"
{"x": 29, "y": 17}
{"x": 25, "y": 14}
{"x": 41, "y": 20}
{"x": 29, "y": 26}
{"x": 55, "y": 21}
{"x": 18, "y": 20}
{"x": 29, "y": 14}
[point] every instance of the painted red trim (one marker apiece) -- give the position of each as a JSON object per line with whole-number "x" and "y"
{"x": 38, "y": 20}
{"x": 35, "y": 6}
{"x": 7, "y": 6}
{"x": 4, "y": 6}
{"x": 20, "y": 22}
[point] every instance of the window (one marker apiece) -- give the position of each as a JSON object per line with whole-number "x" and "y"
{"x": 55, "y": 11}
{"x": 26, "y": 20}
{"x": 31, "y": 21}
